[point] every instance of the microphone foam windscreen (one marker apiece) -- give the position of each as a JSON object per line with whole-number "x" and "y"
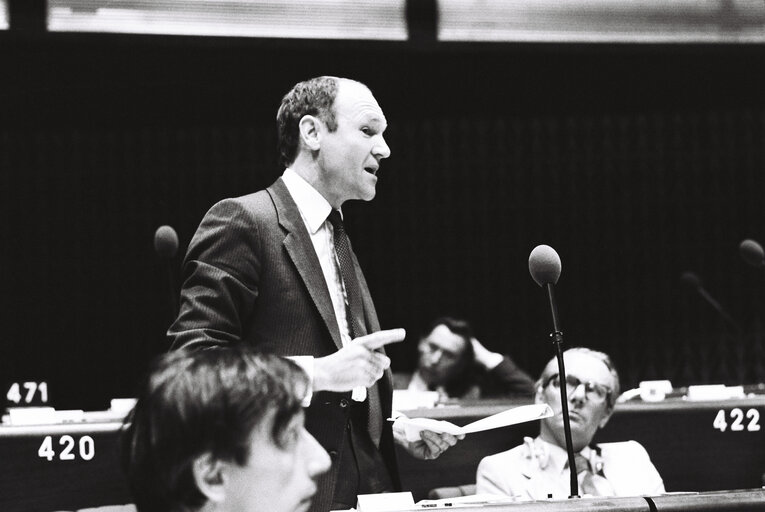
{"x": 544, "y": 265}
{"x": 752, "y": 252}
{"x": 690, "y": 279}
{"x": 166, "y": 242}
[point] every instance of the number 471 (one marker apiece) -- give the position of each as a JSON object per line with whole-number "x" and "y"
{"x": 737, "y": 420}
{"x": 14, "y": 392}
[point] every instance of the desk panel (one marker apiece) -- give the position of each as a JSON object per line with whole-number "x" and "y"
{"x": 690, "y": 453}
{"x": 83, "y": 470}
{"x": 683, "y": 438}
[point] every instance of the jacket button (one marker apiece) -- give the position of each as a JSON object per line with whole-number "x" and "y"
{"x": 343, "y": 403}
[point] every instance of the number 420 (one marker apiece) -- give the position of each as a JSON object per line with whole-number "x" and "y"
{"x": 737, "y": 420}
{"x": 87, "y": 449}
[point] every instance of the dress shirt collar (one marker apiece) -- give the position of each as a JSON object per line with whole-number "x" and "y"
{"x": 551, "y": 455}
{"x": 312, "y": 205}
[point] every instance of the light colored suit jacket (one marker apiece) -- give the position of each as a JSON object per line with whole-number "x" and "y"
{"x": 533, "y": 471}
{"x": 251, "y": 275}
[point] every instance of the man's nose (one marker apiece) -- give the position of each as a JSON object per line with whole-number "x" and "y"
{"x": 577, "y": 394}
{"x": 317, "y": 458}
{"x": 381, "y": 149}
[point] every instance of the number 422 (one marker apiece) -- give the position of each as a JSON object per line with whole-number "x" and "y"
{"x": 737, "y": 420}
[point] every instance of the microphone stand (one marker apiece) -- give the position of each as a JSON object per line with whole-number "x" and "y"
{"x": 557, "y": 337}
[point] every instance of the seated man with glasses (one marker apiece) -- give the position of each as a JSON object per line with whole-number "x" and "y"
{"x": 538, "y": 469}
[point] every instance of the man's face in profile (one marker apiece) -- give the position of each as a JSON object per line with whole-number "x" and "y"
{"x": 588, "y": 381}
{"x": 440, "y": 355}
{"x": 279, "y": 476}
{"x": 350, "y": 156}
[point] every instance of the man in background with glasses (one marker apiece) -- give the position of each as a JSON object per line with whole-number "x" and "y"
{"x": 538, "y": 469}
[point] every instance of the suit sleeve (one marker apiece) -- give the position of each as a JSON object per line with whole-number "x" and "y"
{"x": 221, "y": 274}
{"x": 507, "y": 379}
{"x": 488, "y": 479}
{"x": 651, "y": 481}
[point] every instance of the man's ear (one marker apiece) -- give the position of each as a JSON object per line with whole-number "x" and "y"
{"x": 606, "y": 418}
{"x": 538, "y": 394}
{"x": 310, "y": 133}
{"x": 208, "y": 475}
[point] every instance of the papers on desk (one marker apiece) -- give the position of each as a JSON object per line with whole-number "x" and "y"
{"x": 395, "y": 501}
{"x": 406, "y": 400}
{"x": 472, "y": 500}
{"x": 522, "y": 414}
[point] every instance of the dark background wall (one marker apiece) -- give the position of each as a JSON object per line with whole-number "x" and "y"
{"x": 635, "y": 162}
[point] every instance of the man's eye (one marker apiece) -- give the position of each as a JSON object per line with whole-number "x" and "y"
{"x": 367, "y": 131}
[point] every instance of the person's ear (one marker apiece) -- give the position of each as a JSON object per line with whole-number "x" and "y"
{"x": 310, "y": 132}
{"x": 539, "y": 394}
{"x": 208, "y": 475}
{"x": 606, "y": 417}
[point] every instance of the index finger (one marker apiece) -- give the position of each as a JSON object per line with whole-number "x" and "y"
{"x": 381, "y": 338}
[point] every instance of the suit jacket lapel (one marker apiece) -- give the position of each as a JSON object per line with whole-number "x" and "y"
{"x": 300, "y": 249}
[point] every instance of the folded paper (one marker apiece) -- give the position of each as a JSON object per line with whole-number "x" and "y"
{"x": 522, "y": 414}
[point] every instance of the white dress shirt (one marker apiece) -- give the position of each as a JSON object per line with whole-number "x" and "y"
{"x": 314, "y": 210}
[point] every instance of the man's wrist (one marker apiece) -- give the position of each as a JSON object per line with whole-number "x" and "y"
{"x": 308, "y": 364}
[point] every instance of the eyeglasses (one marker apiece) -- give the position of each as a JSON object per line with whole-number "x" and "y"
{"x": 594, "y": 392}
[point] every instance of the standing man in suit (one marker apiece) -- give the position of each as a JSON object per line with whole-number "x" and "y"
{"x": 538, "y": 469}
{"x": 275, "y": 269}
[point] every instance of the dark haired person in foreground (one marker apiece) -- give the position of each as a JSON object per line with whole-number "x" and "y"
{"x": 454, "y": 363}
{"x": 275, "y": 269}
{"x": 538, "y": 469}
{"x": 222, "y": 430}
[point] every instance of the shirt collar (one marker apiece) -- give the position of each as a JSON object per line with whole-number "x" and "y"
{"x": 558, "y": 458}
{"x": 312, "y": 205}
{"x": 551, "y": 455}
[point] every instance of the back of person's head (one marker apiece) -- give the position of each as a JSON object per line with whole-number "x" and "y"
{"x": 313, "y": 97}
{"x": 203, "y": 401}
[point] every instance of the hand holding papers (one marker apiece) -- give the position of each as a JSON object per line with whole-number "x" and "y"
{"x": 522, "y": 414}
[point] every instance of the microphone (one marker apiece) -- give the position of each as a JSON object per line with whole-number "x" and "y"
{"x": 545, "y": 268}
{"x": 166, "y": 247}
{"x": 165, "y": 242}
{"x": 544, "y": 265}
{"x": 693, "y": 281}
{"x": 752, "y": 253}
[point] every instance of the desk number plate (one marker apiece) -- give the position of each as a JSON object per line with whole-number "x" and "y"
{"x": 26, "y": 393}
{"x": 85, "y": 448}
{"x": 739, "y": 420}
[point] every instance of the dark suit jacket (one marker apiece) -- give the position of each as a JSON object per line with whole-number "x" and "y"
{"x": 504, "y": 380}
{"x": 251, "y": 274}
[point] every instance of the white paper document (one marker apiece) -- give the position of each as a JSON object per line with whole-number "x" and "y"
{"x": 522, "y": 414}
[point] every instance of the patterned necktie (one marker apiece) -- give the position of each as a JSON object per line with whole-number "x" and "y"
{"x": 354, "y": 308}
{"x": 355, "y": 316}
{"x": 589, "y": 482}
